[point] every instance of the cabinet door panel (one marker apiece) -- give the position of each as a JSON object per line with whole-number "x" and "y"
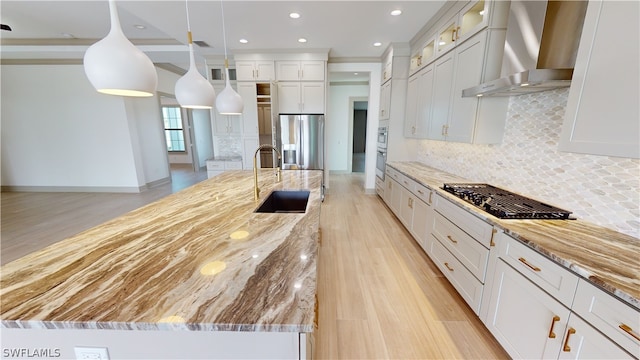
{"x": 289, "y": 98}
{"x": 312, "y": 97}
{"x": 468, "y": 65}
{"x": 411, "y": 107}
{"x": 421, "y": 222}
{"x": 587, "y": 343}
{"x": 245, "y": 71}
{"x": 442, "y": 86}
{"x": 288, "y": 70}
{"x": 312, "y": 70}
{"x": 250, "y": 113}
{"x": 264, "y": 71}
{"x": 425, "y": 102}
{"x": 521, "y": 316}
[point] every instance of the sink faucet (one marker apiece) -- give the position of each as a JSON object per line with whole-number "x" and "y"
{"x": 256, "y": 189}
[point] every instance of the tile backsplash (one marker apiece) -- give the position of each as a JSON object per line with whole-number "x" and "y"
{"x": 600, "y": 189}
{"x": 228, "y": 146}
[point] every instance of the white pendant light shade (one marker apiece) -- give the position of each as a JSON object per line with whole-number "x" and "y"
{"x": 115, "y": 66}
{"x": 229, "y": 102}
{"x": 193, "y": 90}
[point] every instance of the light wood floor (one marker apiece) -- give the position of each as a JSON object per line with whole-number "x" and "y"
{"x": 380, "y": 296}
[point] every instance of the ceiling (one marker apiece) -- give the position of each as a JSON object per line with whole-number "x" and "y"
{"x": 346, "y": 29}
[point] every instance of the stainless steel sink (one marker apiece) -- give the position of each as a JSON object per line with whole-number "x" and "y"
{"x": 285, "y": 201}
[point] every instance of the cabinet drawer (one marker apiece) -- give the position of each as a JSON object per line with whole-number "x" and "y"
{"x": 233, "y": 165}
{"x": 391, "y": 173}
{"x": 409, "y": 184}
{"x": 467, "y": 250}
{"x": 380, "y": 187}
{"x": 423, "y": 193}
{"x": 476, "y": 227}
{"x": 215, "y": 165}
{"x": 465, "y": 283}
{"x": 609, "y": 315}
{"x": 551, "y": 277}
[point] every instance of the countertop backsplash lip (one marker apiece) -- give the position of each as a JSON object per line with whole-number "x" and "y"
{"x": 608, "y": 272}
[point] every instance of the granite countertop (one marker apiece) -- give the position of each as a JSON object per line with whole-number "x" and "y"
{"x": 605, "y": 257}
{"x": 199, "y": 259}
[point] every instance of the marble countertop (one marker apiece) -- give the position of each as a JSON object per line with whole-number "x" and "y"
{"x": 225, "y": 158}
{"x": 607, "y": 258}
{"x": 199, "y": 259}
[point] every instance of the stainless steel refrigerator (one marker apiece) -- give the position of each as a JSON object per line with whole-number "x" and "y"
{"x": 300, "y": 140}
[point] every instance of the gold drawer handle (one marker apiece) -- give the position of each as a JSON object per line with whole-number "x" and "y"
{"x": 552, "y": 335}
{"x": 524, "y": 261}
{"x": 566, "y": 347}
{"x": 420, "y": 192}
{"x": 452, "y": 240}
{"x": 626, "y": 328}
{"x": 448, "y": 267}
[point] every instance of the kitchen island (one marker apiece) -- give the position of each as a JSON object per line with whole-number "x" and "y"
{"x": 197, "y": 274}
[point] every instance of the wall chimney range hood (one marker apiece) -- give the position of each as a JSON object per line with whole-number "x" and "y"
{"x": 540, "y": 48}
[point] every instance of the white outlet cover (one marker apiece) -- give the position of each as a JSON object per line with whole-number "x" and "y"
{"x": 92, "y": 353}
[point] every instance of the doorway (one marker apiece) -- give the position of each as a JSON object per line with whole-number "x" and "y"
{"x": 359, "y": 135}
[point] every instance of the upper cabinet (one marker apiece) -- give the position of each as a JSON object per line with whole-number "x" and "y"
{"x": 468, "y": 51}
{"x": 603, "y": 108}
{"x": 305, "y": 70}
{"x": 258, "y": 70}
{"x": 471, "y": 19}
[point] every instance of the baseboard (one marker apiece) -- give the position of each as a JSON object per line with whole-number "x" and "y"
{"x": 370, "y": 191}
{"x": 339, "y": 172}
{"x": 158, "y": 182}
{"x": 87, "y": 189}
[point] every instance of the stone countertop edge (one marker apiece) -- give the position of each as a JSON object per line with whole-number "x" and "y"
{"x": 604, "y": 257}
{"x": 196, "y": 260}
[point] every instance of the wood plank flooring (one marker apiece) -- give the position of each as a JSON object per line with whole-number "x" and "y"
{"x": 380, "y": 297}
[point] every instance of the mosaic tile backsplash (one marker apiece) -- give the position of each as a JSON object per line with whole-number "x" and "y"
{"x": 228, "y": 146}
{"x": 600, "y": 189}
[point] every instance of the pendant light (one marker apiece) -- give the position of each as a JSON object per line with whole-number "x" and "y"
{"x": 115, "y": 66}
{"x": 228, "y": 102}
{"x": 193, "y": 90}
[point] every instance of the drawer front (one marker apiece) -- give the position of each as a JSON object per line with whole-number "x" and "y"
{"x": 396, "y": 176}
{"x": 424, "y": 193}
{"x": 615, "y": 319}
{"x": 233, "y": 165}
{"x": 557, "y": 281}
{"x": 215, "y": 165}
{"x": 465, "y": 283}
{"x": 380, "y": 187}
{"x": 391, "y": 173}
{"x": 476, "y": 227}
{"x": 467, "y": 250}
{"x": 409, "y": 184}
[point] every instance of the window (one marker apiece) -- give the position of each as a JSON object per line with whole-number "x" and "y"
{"x": 173, "y": 131}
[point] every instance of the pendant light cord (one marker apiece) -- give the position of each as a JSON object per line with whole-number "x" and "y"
{"x": 186, "y": 4}
{"x": 224, "y": 34}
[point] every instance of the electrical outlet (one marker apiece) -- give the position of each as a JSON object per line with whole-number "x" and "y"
{"x": 92, "y": 353}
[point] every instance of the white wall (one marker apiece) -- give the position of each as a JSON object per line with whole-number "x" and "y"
{"x": 600, "y": 189}
{"x": 203, "y": 135}
{"x": 375, "y": 71}
{"x": 57, "y": 131}
{"x": 337, "y": 127}
{"x": 59, "y": 134}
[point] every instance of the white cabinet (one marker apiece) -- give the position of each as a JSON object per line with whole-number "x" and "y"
{"x": 618, "y": 321}
{"x": 526, "y": 321}
{"x": 247, "y": 91}
{"x": 385, "y": 100}
{"x": 306, "y": 70}
{"x": 226, "y": 124}
{"x": 422, "y": 220}
{"x": 419, "y": 103}
{"x": 249, "y": 146}
{"x": 603, "y": 108}
{"x": 301, "y": 97}
{"x": 258, "y": 70}
{"x": 471, "y": 19}
{"x": 423, "y": 56}
{"x": 217, "y": 167}
{"x": 441, "y": 98}
{"x": 583, "y": 341}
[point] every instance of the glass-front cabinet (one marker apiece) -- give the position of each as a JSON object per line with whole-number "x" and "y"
{"x": 471, "y": 19}
{"x": 423, "y": 57}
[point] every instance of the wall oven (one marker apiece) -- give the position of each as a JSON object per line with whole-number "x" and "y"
{"x": 381, "y": 154}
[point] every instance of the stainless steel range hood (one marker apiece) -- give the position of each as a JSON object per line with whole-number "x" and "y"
{"x": 540, "y": 48}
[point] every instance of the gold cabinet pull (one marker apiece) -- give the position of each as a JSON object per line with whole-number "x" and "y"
{"x": 316, "y": 314}
{"x": 566, "y": 347}
{"x": 410, "y": 203}
{"x": 452, "y": 240}
{"x": 420, "y": 192}
{"x": 493, "y": 232}
{"x": 524, "y": 261}
{"x": 626, "y": 328}
{"x": 552, "y": 335}
{"x": 453, "y": 35}
{"x": 448, "y": 267}
{"x": 430, "y": 193}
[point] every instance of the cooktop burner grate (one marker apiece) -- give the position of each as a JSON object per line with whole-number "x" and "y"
{"x": 505, "y": 204}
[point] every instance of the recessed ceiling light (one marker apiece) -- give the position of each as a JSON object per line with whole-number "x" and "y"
{"x": 294, "y": 15}
{"x": 302, "y": 40}
{"x": 244, "y": 41}
{"x": 67, "y": 35}
{"x": 396, "y": 12}
{"x": 141, "y": 27}
{"x": 377, "y": 44}
{"x": 355, "y": 73}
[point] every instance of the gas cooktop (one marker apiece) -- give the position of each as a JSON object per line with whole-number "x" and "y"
{"x": 505, "y": 204}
